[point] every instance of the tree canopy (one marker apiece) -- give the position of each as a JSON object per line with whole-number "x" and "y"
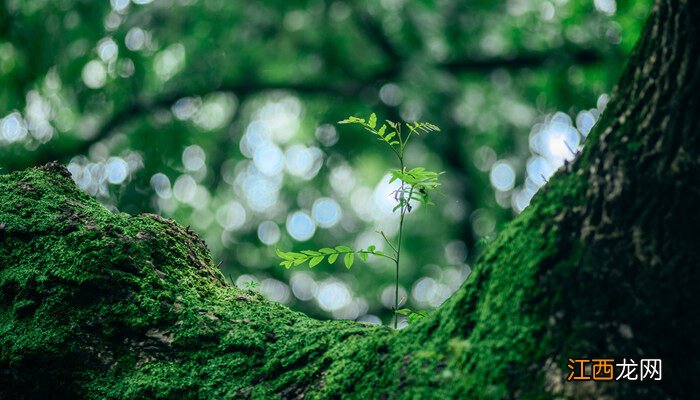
{"x": 222, "y": 115}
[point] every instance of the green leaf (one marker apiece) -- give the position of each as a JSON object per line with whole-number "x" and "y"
{"x": 314, "y": 261}
{"x": 348, "y": 260}
{"x": 352, "y": 120}
{"x": 416, "y": 315}
{"x": 283, "y": 255}
{"x": 332, "y": 258}
{"x": 372, "y": 120}
{"x": 327, "y": 250}
{"x": 299, "y": 261}
{"x": 343, "y": 249}
{"x": 311, "y": 253}
{"x": 363, "y": 256}
{"x": 403, "y": 311}
{"x": 381, "y": 130}
{"x": 371, "y": 248}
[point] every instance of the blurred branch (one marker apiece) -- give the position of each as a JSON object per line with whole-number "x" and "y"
{"x": 375, "y": 33}
{"x": 48, "y": 153}
{"x": 578, "y": 56}
{"x": 139, "y": 108}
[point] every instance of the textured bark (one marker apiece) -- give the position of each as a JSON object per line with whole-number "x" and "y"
{"x": 603, "y": 263}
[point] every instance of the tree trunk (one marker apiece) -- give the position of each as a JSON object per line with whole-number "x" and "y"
{"x": 602, "y": 264}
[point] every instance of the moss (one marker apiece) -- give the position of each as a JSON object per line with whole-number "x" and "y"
{"x": 102, "y": 305}
{"x": 131, "y": 306}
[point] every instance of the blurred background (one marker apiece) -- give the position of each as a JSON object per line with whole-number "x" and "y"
{"x": 222, "y": 115}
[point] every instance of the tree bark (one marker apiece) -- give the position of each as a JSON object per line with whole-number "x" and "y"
{"x": 602, "y": 264}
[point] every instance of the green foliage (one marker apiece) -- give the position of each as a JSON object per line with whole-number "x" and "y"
{"x": 413, "y": 316}
{"x": 416, "y": 184}
{"x": 393, "y": 137}
{"x": 313, "y": 257}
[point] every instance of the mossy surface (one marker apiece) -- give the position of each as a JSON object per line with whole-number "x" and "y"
{"x": 120, "y": 306}
{"x": 104, "y": 305}
{"x": 603, "y": 264}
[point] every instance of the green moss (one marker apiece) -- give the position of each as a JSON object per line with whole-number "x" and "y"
{"x": 131, "y": 306}
{"x": 102, "y": 305}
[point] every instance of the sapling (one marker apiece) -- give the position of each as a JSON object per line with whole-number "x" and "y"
{"x": 416, "y": 185}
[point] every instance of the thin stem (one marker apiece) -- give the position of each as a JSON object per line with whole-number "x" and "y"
{"x": 365, "y": 252}
{"x": 398, "y": 132}
{"x": 376, "y": 254}
{"x": 386, "y": 239}
{"x": 405, "y": 142}
{"x": 398, "y": 255}
{"x": 396, "y": 151}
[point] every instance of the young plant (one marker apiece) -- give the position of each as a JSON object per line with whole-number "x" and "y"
{"x": 416, "y": 186}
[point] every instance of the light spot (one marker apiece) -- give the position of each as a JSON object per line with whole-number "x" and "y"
{"x": 585, "y": 121}
{"x": 215, "y": 110}
{"x": 383, "y": 196}
{"x": 327, "y": 135}
{"x": 13, "y": 127}
{"x": 390, "y": 94}
{"x": 539, "y": 170}
{"x": 268, "y": 232}
{"x": 275, "y": 290}
{"x": 170, "y": 61}
{"x": 117, "y": 170}
{"x": 269, "y": 159}
{"x": 161, "y": 184}
{"x": 333, "y": 295}
{"x": 326, "y": 212}
{"x": 231, "y": 216}
{"x": 388, "y": 295}
{"x": 261, "y": 192}
{"x": 502, "y": 176}
{"x": 296, "y": 20}
{"x": 602, "y": 102}
{"x": 300, "y": 226}
{"x": 607, "y": 7}
{"x": 302, "y": 161}
{"x": 94, "y": 74}
{"x": 423, "y": 290}
{"x": 547, "y": 11}
{"x": 107, "y": 49}
{"x": 281, "y": 118}
{"x": 193, "y": 158}
{"x": 135, "y": 39}
{"x": 186, "y": 107}
{"x": 119, "y": 5}
{"x": 303, "y": 286}
{"x": 342, "y": 179}
{"x": 185, "y": 188}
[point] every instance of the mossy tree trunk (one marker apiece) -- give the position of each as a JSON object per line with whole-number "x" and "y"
{"x": 604, "y": 263}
